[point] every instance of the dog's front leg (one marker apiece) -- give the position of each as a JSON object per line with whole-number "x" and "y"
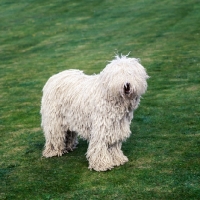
{"x": 98, "y": 155}
{"x": 117, "y": 155}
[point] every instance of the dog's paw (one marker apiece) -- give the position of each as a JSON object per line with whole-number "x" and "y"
{"x": 101, "y": 168}
{"x": 120, "y": 160}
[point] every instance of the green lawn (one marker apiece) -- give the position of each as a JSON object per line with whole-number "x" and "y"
{"x": 41, "y": 38}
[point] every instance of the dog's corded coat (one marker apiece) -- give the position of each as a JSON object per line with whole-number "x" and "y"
{"x": 98, "y": 108}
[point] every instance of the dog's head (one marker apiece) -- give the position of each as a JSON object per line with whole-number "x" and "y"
{"x": 124, "y": 77}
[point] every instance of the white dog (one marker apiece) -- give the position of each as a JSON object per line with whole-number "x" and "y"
{"x": 98, "y": 108}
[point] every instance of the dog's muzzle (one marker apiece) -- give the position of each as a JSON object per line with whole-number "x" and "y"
{"x": 127, "y": 88}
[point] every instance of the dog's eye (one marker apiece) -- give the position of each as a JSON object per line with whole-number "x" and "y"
{"x": 127, "y": 88}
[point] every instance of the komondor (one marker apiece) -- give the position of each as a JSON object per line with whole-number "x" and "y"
{"x": 98, "y": 108}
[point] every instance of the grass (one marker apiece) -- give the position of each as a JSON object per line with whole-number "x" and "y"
{"x": 40, "y": 38}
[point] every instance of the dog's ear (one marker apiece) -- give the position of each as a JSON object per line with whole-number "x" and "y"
{"x": 127, "y": 88}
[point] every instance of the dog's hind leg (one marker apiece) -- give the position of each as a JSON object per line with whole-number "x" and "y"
{"x": 71, "y": 140}
{"x": 55, "y": 141}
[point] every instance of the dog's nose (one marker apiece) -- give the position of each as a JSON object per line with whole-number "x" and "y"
{"x": 127, "y": 88}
